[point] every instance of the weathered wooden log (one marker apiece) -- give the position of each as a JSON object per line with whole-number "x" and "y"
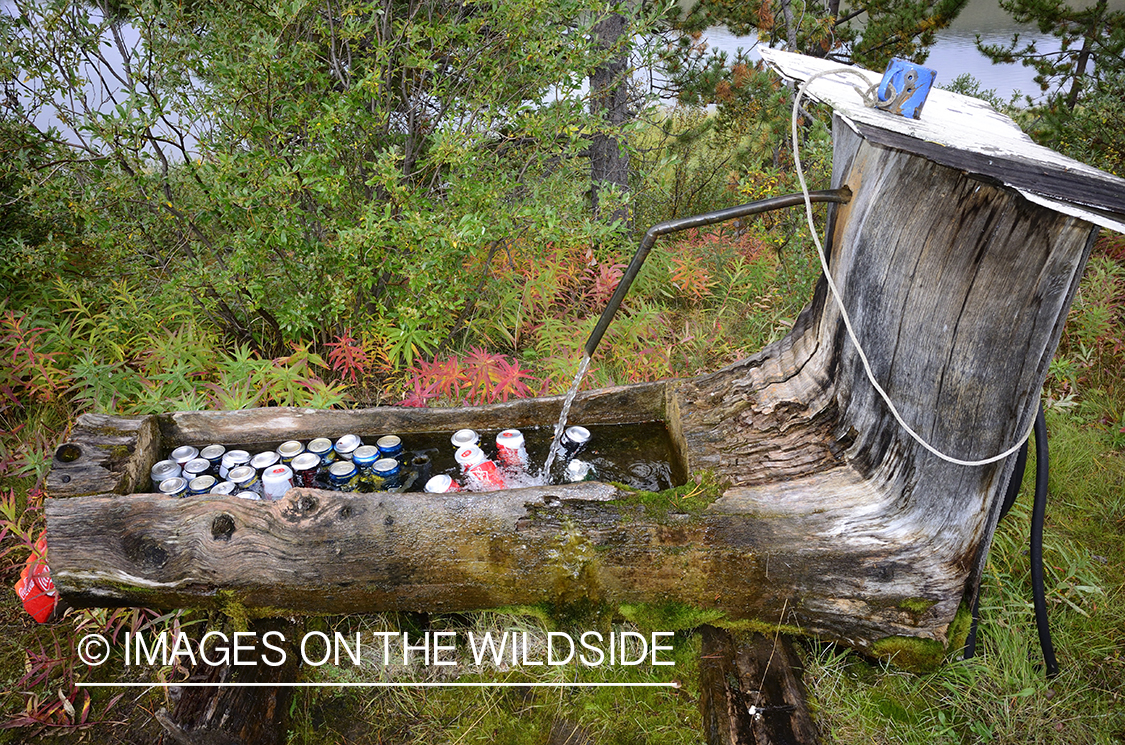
{"x": 751, "y": 691}
{"x": 105, "y": 454}
{"x": 957, "y": 285}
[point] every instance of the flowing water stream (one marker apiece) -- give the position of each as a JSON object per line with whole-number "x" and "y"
{"x": 560, "y": 427}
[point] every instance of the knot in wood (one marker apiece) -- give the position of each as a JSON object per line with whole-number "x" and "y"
{"x": 222, "y": 527}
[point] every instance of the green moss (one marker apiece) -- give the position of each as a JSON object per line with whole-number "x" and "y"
{"x": 959, "y": 627}
{"x": 692, "y": 498}
{"x": 762, "y": 627}
{"x": 917, "y": 606}
{"x": 910, "y": 653}
{"x": 231, "y": 606}
{"x": 670, "y": 616}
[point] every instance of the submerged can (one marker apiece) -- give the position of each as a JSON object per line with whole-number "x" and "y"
{"x": 264, "y": 460}
{"x": 389, "y": 470}
{"x": 233, "y": 459}
{"x": 479, "y": 470}
{"x": 201, "y": 485}
{"x": 579, "y": 470}
{"x": 342, "y": 476}
{"x": 183, "y": 454}
{"x": 347, "y": 445}
{"x": 464, "y": 437}
{"x": 164, "y": 470}
{"x": 390, "y": 446}
{"x": 290, "y": 450}
{"x": 305, "y": 467}
{"x": 322, "y": 448}
{"x": 173, "y": 487}
{"x": 276, "y": 480}
{"x": 249, "y": 495}
{"x": 510, "y": 449}
{"x": 214, "y": 455}
{"x": 245, "y": 478}
{"x": 442, "y": 484}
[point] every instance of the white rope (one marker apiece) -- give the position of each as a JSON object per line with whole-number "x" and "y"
{"x": 840, "y": 303}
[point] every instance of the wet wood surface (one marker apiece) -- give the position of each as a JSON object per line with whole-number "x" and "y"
{"x": 751, "y": 692}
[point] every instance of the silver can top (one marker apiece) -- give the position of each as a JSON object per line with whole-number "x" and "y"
{"x": 174, "y": 485}
{"x": 290, "y": 449}
{"x": 249, "y": 495}
{"x": 264, "y": 460}
{"x": 197, "y": 466}
{"x": 183, "y": 454}
{"x": 578, "y": 435}
{"x": 320, "y": 445}
{"x": 165, "y": 469}
{"x": 213, "y": 452}
{"x": 348, "y": 444}
{"x": 464, "y": 437}
{"x": 202, "y": 484}
{"x": 305, "y": 461}
{"x": 242, "y": 475}
{"x": 224, "y": 487}
{"x": 342, "y": 469}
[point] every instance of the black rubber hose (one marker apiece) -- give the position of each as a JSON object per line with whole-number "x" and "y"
{"x": 1014, "y": 485}
{"x": 839, "y": 196}
{"x": 1038, "y": 510}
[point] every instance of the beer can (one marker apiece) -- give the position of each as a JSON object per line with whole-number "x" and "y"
{"x": 174, "y": 487}
{"x": 479, "y": 470}
{"x": 290, "y": 450}
{"x": 442, "y": 484}
{"x": 579, "y": 470}
{"x": 223, "y": 487}
{"x": 365, "y": 456}
{"x": 196, "y": 467}
{"x": 245, "y": 478}
{"x": 183, "y": 454}
{"x": 464, "y": 437}
{"x": 322, "y": 448}
{"x": 214, "y": 455}
{"x": 201, "y": 485}
{"x": 390, "y": 446}
{"x": 163, "y": 470}
{"x": 305, "y": 467}
{"x": 264, "y": 460}
{"x": 510, "y": 449}
{"x": 232, "y": 459}
{"x": 342, "y": 476}
{"x": 249, "y": 495}
{"x": 389, "y": 470}
{"x": 574, "y": 439}
{"x": 346, "y": 445}
{"x": 276, "y": 480}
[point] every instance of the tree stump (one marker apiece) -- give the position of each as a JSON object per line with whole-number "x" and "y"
{"x": 957, "y": 269}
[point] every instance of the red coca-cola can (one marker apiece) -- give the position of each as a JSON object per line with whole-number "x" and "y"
{"x": 442, "y": 484}
{"x": 510, "y": 449}
{"x": 479, "y": 470}
{"x": 35, "y": 588}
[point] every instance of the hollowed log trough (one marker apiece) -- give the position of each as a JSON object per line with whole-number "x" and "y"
{"x": 957, "y": 265}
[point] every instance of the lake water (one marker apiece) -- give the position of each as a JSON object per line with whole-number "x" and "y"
{"x": 955, "y": 52}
